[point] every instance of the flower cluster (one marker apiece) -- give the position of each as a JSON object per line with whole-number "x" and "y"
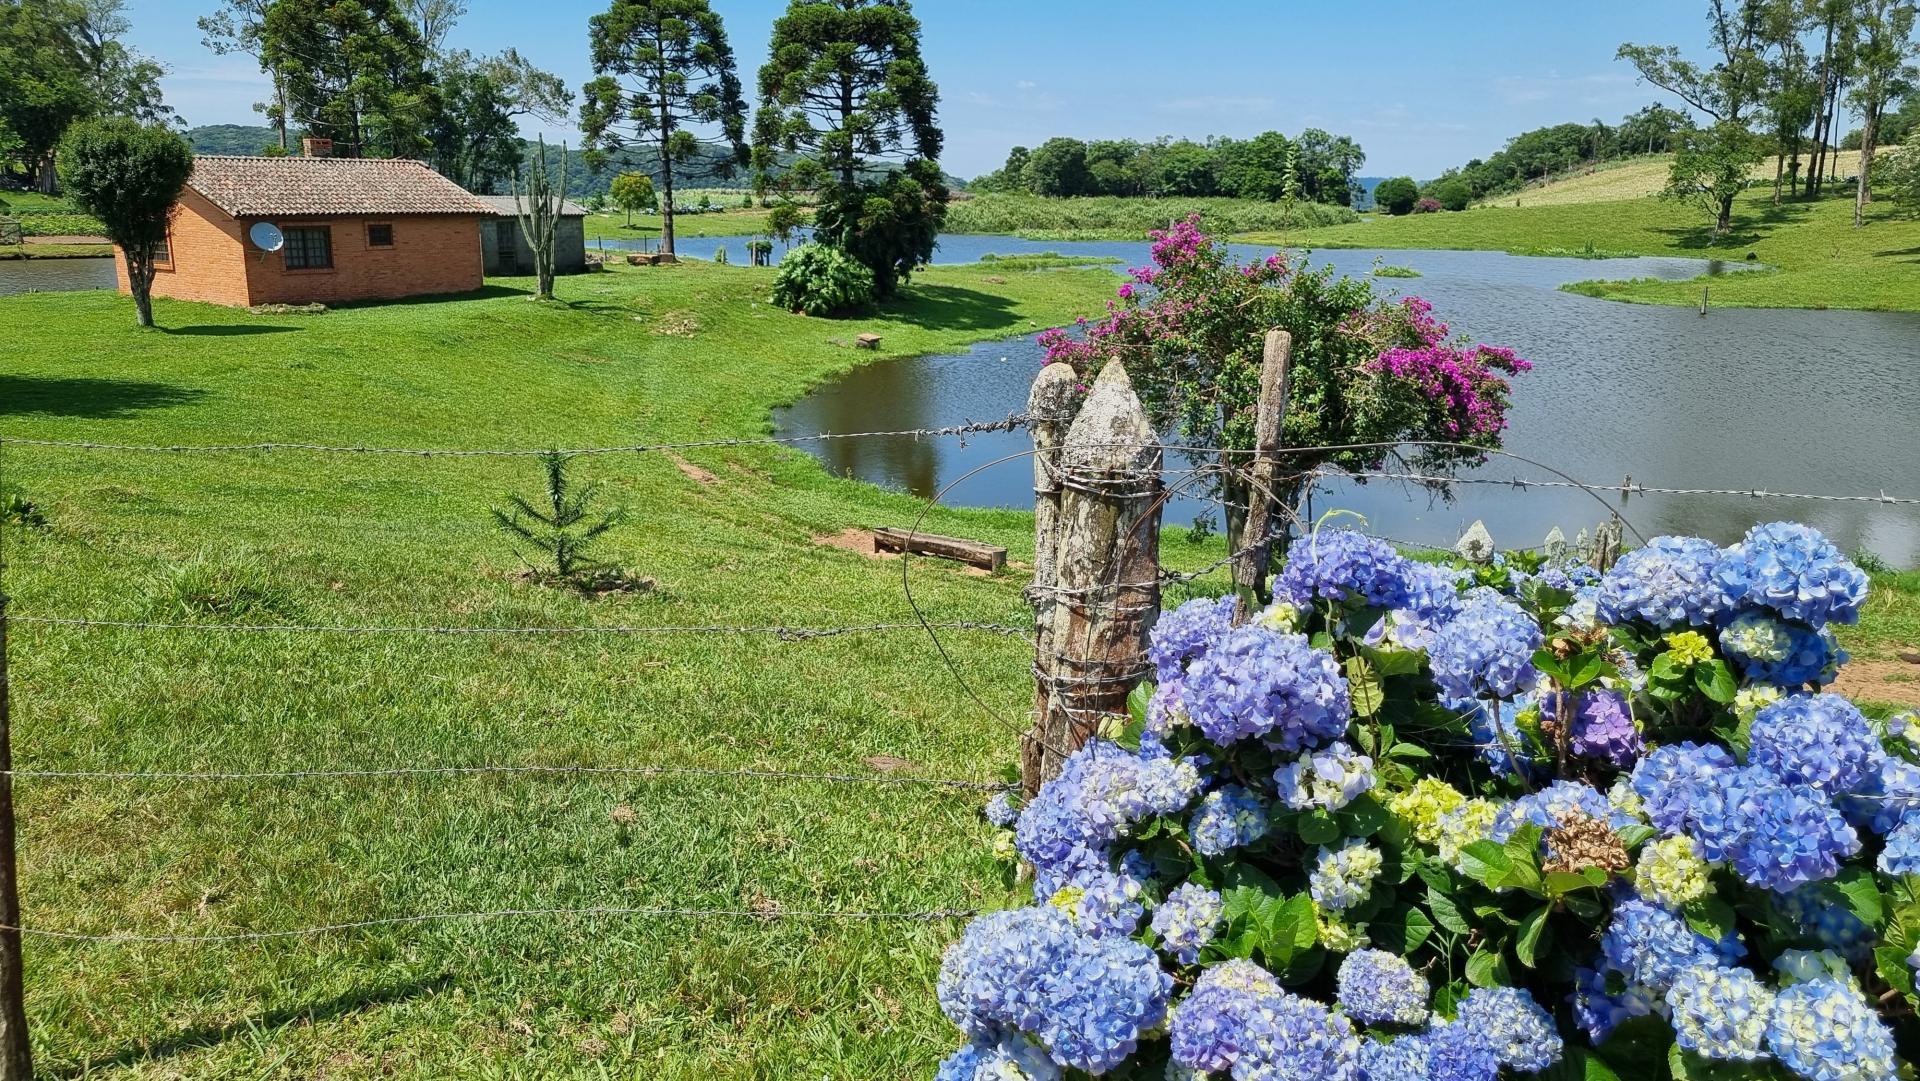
{"x": 1273, "y": 874}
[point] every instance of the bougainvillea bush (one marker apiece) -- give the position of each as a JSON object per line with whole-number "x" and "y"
{"x": 1416, "y": 822}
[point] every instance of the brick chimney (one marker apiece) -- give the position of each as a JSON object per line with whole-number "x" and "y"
{"x": 311, "y": 147}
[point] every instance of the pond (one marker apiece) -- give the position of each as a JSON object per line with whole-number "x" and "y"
{"x": 1791, "y": 401}
{"x": 54, "y": 275}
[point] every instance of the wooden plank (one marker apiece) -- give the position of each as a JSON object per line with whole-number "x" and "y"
{"x": 867, "y": 341}
{"x": 986, "y": 556}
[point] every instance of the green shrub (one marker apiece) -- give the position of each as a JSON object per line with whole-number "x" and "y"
{"x": 1127, "y": 218}
{"x": 61, "y": 225}
{"x": 820, "y": 280}
{"x": 1396, "y": 195}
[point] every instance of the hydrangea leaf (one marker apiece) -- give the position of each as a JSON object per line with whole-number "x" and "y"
{"x": 1363, "y": 817}
{"x": 1486, "y": 863}
{"x": 1400, "y": 930}
{"x": 1856, "y": 884}
{"x": 1445, "y": 912}
{"x": 1363, "y": 688}
{"x": 1317, "y": 827}
{"x": 1579, "y": 1064}
{"x": 1394, "y": 662}
{"x": 1532, "y": 930}
{"x": 1715, "y": 680}
{"x": 1710, "y": 916}
{"x": 1488, "y": 968}
{"x": 1891, "y": 963}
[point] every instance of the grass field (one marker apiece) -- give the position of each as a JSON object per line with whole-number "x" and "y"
{"x": 613, "y": 224}
{"x": 33, "y": 250}
{"x": 1637, "y": 178}
{"x": 1820, "y": 260}
{"x": 691, "y": 352}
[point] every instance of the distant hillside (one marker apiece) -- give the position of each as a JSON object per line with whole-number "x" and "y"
{"x": 1367, "y": 184}
{"x": 247, "y": 139}
{"x": 1634, "y": 178}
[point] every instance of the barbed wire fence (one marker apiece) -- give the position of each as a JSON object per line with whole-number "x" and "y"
{"x": 1101, "y": 488}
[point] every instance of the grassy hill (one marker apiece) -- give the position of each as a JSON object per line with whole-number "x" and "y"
{"x": 1817, "y": 258}
{"x": 1633, "y": 178}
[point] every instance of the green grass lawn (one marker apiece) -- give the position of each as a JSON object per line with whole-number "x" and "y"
{"x": 56, "y": 251}
{"x": 689, "y": 352}
{"x": 1821, "y": 260}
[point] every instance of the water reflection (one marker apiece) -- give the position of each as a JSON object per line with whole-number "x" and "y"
{"x": 54, "y": 275}
{"x": 1801, "y": 401}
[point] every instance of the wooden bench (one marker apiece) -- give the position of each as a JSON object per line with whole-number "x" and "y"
{"x": 867, "y": 341}
{"x": 990, "y": 557}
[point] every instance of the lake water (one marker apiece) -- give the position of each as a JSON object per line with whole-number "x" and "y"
{"x": 1797, "y": 401}
{"x": 54, "y": 275}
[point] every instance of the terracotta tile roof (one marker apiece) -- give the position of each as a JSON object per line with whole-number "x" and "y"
{"x": 503, "y": 205}
{"x": 307, "y": 187}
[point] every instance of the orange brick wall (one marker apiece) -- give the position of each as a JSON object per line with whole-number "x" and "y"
{"x": 214, "y": 262}
{"x": 436, "y": 254}
{"x": 208, "y": 259}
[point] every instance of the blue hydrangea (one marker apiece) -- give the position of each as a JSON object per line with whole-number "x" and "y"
{"x": 1456, "y": 1053}
{"x": 1553, "y": 806}
{"x": 1665, "y": 781}
{"x": 1433, "y": 591}
{"x": 1404, "y": 1059}
{"x": 1103, "y": 904}
{"x": 1238, "y": 1019}
{"x": 1259, "y": 683}
{"x": 1650, "y": 945}
{"x": 1795, "y": 571}
{"x": 1009, "y": 1057}
{"x": 1779, "y": 652}
{"x": 1343, "y": 877}
{"x": 1668, "y": 583}
{"x": 1329, "y": 778}
{"x": 1902, "y": 854}
{"x": 1512, "y": 1025}
{"x": 1001, "y": 811}
{"x": 1603, "y": 1000}
{"x": 1342, "y": 566}
{"x": 1486, "y": 651}
{"x": 1819, "y": 740}
{"x": 1382, "y": 989}
{"x": 1813, "y": 912}
{"x": 1186, "y": 633}
{"x": 1069, "y": 826}
{"x": 1089, "y": 1000}
{"x": 1826, "y": 1030}
{"x": 1603, "y": 728}
{"x": 1888, "y": 798}
{"x": 1720, "y": 1013}
{"x": 1187, "y": 920}
{"x": 1228, "y": 818}
{"x": 1791, "y": 836}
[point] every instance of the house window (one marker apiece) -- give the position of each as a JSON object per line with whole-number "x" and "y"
{"x": 163, "y": 251}
{"x": 309, "y": 248}
{"x": 379, "y": 236}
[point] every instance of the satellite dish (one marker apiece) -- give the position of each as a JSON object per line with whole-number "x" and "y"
{"x": 266, "y": 236}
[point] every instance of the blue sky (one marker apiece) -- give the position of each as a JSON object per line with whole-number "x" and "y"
{"x": 1421, "y": 85}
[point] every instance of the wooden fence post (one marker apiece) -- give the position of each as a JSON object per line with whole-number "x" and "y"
{"x": 1049, "y": 411}
{"x": 1254, "y": 546}
{"x": 1091, "y": 621}
{"x": 16, "y": 1054}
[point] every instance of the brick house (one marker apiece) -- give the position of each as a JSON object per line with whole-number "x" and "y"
{"x": 508, "y": 251}
{"x": 354, "y": 229}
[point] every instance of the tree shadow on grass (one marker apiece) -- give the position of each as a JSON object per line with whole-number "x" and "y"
{"x": 1896, "y": 253}
{"x": 97, "y": 399}
{"x": 206, "y": 1036}
{"x": 1747, "y": 228}
{"x": 490, "y": 291}
{"x": 951, "y": 307}
{"x": 228, "y": 330}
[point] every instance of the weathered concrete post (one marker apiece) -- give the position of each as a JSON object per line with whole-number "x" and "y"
{"x": 1049, "y": 411}
{"x": 1091, "y": 620}
{"x": 1254, "y": 545}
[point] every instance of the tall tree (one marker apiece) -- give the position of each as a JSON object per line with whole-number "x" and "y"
{"x": 1711, "y": 168}
{"x": 63, "y": 61}
{"x": 1792, "y": 93}
{"x": 663, "y": 67}
{"x": 236, "y": 28}
{"x": 434, "y": 20}
{"x": 1734, "y": 78}
{"x": 476, "y": 139}
{"x": 1885, "y": 57}
{"x": 128, "y": 175}
{"x": 845, "y": 88}
{"x": 355, "y": 71}
{"x": 1057, "y": 167}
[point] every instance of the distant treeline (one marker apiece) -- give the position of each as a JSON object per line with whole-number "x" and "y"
{"x": 1543, "y": 152}
{"x": 1316, "y": 167}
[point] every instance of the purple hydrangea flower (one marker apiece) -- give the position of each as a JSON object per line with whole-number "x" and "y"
{"x": 1089, "y": 1000}
{"x": 1552, "y": 806}
{"x": 1187, "y": 920}
{"x": 1603, "y": 727}
{"x": 1456, "y": 1053}
{"x": 1494, "y": 728}
{"x": 1794, "y": 570}
{"x": 1887, "y": 799}
{"x": 1599, "y": 1007}
{"x": 1227, "y": 818}
{"x": 1382, "y": 989}
{"x": 1833, "y": 926}
{"x": 1486, "y": 651}
{"x": 1342, "y": 566}
{"x": 1186, "y": 633}
{"x": 1902, "y": 854}
{"x": 1819, "y": 740}
{"x": 1513, "y": 1026}
{"x": 1792, "y": 836}
{"x": 1106, "y": 905}
{"x": 1669, "y": 583}
{"x": 1069, "y": 826}
{"x": 1259, "y": 683}
{"x": 1663, "y": 781}
{"x": 1001, "y": 811}
{"x": 1650, "y": 945}
{"x": 1238, "y": 1019}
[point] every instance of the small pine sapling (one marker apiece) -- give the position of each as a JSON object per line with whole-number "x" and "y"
{"x": 564, "y": 527}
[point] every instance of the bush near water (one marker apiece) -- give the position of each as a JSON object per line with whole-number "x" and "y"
{"x": 1130, "y": 218}
{"x": 1417, "y": 822}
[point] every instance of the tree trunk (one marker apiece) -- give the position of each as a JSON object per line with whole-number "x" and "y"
{"x": 666, "y": 190}
{"x": 1779, "y": 173}
{"x": 1863, "y": 193}
{"x": 1725, "y": 220}
{"x": 140, "y": 284}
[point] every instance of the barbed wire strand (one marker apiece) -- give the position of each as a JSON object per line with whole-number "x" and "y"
{"x": 425, "y": 772}
{"x": 932, "y": 915}
{"x": 784, "y": 633}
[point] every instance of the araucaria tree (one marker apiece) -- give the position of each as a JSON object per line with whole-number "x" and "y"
{"x": 128, "y": 175}
{"x": 845, "y": 89}
{"x": 356, "y": 73}
{"x": 664, "y": 66}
